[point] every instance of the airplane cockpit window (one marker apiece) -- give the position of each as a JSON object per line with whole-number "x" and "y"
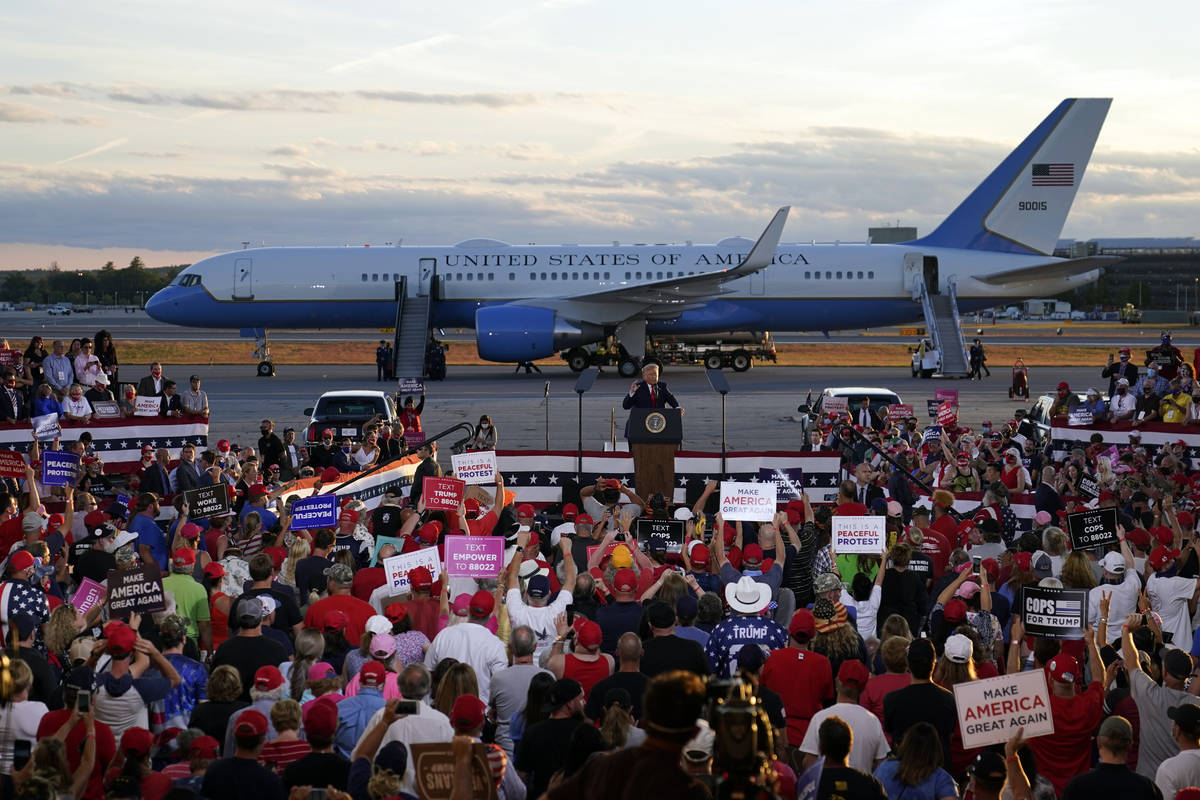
{"x": 189, "y": 280}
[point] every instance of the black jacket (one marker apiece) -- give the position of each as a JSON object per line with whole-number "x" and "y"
{"x": 426, "y": 469}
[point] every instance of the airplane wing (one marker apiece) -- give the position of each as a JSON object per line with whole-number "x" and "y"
{"x": 1053, "y": 269}
{"x": 670, "y": 296}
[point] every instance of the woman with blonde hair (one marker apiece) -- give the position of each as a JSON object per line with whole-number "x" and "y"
{"x": 224, "y": 693}
{"x": 19, "y": 717}
{"x": 298, "y": 549}
{"x": 1077, "y": 572}
{"x": 459, "y": 679}
{"x": 61, "y": 630}
{"x": 310, "y": 646}
{"x": 1054, "y": 543}
{"x": 957, "y": 665}
{"x": 249, "y": 541}
{"x": 669, "y": 587}
{"x": 617, "y": 728}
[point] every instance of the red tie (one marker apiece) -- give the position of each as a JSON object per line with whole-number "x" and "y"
{"x": 653, "y": 398}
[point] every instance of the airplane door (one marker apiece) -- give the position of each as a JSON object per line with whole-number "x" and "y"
{"x": 913, "y": 268}
{"x": 425, "y": 271}
{"x": 758, "y": 281}
{"x": 243, "y": 279}
{"x": 930, "y": 268}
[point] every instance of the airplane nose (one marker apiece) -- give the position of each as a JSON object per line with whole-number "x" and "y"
{"x": 161, "y": 303}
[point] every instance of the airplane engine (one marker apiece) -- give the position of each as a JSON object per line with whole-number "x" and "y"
{"x": 509, "y": 333}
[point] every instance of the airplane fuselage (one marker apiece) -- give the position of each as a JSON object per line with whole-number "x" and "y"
{"x": 806, "y": 287}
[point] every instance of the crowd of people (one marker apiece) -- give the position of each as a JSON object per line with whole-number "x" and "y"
{"x": 286, "y": 662}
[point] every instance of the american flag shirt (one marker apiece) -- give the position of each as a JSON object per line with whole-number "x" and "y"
{"x": 22, "y": 597}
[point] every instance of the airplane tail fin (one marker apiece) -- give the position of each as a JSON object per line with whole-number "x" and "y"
{"x": 1022, "y": 205}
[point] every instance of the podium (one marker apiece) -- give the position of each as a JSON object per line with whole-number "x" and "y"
{"x": 654, "y": 435}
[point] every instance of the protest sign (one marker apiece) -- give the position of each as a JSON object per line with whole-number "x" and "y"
{"x": 433, "y": 765}
{"x": 10, "y": 358}
{"x": 474, "y": 556}
{"x": 1091, "y": 529}
{"x": 991, "y": 710}
{"x": 46, "y": 427}
{"x": 135, "y": 590}
{"x": 899, "y": 412}
{"x": 1089, "y": 488}
{"x": 946, "y": 413}
{"x": 835, "y": 405}
{"x": 87, "y": 595}
{"x": 809, "y": 781}
{"x": 320, "y": 511}
{"x": 12, "y": 464}
{"x": 1112, "y": 454}
{"x": 476, "y": 467}
{"x": 946, "y": 396}
{"x": 147, "y": 406}
{"x": 410, "y": 385}
{"x": 932, "y": 434}
{"x": 607, "y": 552}
{"x": 748, "y": 501}
{"x": 442, "y": 494}
{"x": 397, "y": 567}
{"x": 858, "y": 534}
{"x": 1055, "y": 613}
{"x": 1078, "y": 417}
{"x": 125, "y": 500}
{"x": 931, "y": 407}
{"x": 207, "y": 501}
{"x": 658, "y": 535}
{"x": 789, "y": 482}
{"x": 414, "y": 438}
{"x": 59, "y": 468}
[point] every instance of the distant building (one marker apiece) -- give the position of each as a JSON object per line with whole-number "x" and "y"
{"x": 891, "y": 235}
{"x": 1167, "y": 267}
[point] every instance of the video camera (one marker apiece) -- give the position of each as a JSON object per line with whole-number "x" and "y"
{"x": 744, "y": 748}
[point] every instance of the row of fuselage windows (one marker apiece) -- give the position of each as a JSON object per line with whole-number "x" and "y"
{"x": 587, "y": 276}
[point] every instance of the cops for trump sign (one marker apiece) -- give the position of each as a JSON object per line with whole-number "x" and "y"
{"x": 858, "y": 534}
{"x": 1054, "y": 613}
{"x": 748, "y": 501}
{"x": 991, "y": 710}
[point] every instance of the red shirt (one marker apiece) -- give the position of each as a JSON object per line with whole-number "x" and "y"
{"x": 588, "y": 673}
{"x": 878, "y": 687}
{"x": 1069, "y": 751}
{"x": 10, "y": 533}
{"x": 356, "y": 611}
{"x": 804, "y": 680}
{"x": 482, "y": 526}
{"x": 106, "y": 748}
{"x": 424, "y": 615}
{"x": 366, "y": 581}
{"x": 937, "y": 547}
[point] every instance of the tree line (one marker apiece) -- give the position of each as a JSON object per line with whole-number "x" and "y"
{"x": 109, "y": 285}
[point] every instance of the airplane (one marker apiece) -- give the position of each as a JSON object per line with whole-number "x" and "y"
{"x": 526, "y": 303}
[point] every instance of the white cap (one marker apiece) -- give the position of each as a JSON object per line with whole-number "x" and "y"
{"x": 958, "y": 649}
{"x": 269, "y": 604}
{"x": 1114, "y": 563}
{"x": 683, "y": 513}
{"x": 379, "y": 624}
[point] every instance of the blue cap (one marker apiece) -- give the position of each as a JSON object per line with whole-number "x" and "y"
{"x": 686, "y": 607}
{"x": 538, "y": 587}
{"x": 25, "y": 624}
{"x": 117, "y": 511}
{"x": 750, "y": 657}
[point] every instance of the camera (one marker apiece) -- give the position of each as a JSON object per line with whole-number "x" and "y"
{"x": 744, "y": 746}
{"x": 407, "y": 707}
{"x": 608, "y": 491}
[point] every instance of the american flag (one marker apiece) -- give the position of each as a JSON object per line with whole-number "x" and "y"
{"x": 1067, "y": 606}
{"x": 1054, "y": 174}
{"x": 539, "y": 476}
{"x": 1064, "y": 438}
{"x": 119, "y": 442}
{"x": 20, "y": 597}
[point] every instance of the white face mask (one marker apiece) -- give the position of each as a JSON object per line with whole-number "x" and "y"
{"x": 483, "y": 426}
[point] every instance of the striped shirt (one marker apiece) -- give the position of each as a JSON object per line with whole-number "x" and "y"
{"x": 276, "y": 755}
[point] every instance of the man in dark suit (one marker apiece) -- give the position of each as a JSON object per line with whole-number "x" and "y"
{"x": 428, "y": 468}
{"x": 1046, "y": 497}
{"x": 649, "y": 392}
{"x": 865, "y": 489}
{"x": 12, "y": 403}
{"x": 154, "y": 475}
{"x": 187, "y": 474}
{"x": 152, "y": 384}
{"x": 171, "y": 404}
{"x": 865, "y": 417}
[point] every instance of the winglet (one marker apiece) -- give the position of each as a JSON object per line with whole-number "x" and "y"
{"x": 763, "y": 252}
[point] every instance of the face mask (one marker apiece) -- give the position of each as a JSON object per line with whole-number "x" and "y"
{"x": 483, "y": 426}
{"x": 1121, "y": 390}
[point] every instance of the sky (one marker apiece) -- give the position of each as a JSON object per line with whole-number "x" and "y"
{"x": 175, "y": 130}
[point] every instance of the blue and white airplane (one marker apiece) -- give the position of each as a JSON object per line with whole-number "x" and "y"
{"x": 531, "y": 302}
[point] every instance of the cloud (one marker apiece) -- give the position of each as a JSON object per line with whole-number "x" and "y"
{"x": 11, "y": 112}
{"x": 838, "y": 182}
{"x": 109, "y": 145}
{"x": 289, "y": 150}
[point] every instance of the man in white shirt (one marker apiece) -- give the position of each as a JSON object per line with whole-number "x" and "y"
{"x": 427, "y": 725}
{"x": 1169, "y": 594}
{"x": 471, "y": 643}
{"x": 870, "y": 746}
{"x": 1123, "y": 404}
{"x": 1118, "y": 580}
{"x": 1182, "y": 770}
{"x": 536, "y": 609}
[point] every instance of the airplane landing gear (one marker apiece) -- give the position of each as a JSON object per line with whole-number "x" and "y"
{"x": 262, "y": 351}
